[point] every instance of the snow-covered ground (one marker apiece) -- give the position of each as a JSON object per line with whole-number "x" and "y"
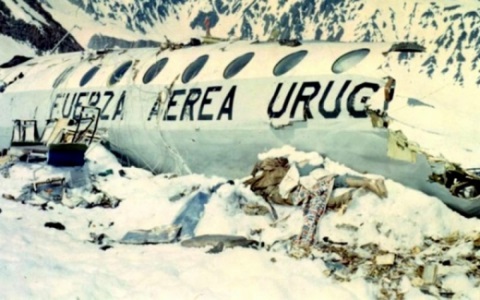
{"x": 11, "y": 47}
{"x": 37, "y": 262}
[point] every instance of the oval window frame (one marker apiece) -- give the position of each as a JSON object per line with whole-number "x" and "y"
{"x": 237, "y": 65}
{"x": 194, "y": 68}
{"x": 349, "y": 60}
{"x": 89, "y": 75}
{"x": 155, "y": 69}
{"x": 289, "y": 62}
{"x": 61, "y": 78}
{"x": 122, "y": 69}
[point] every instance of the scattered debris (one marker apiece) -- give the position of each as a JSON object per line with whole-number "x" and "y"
{"x": 8, "y": 197}
{"x": 314, "y": 206}
{"x": 6, "y": 162}
{"x": 51, "y": 189}
{"x": 192, "y": 212}
{"x": 79, "y": 177}
{"x": 219, "y": 242}
{"x": 460, "y": 182}
{"x": 102, "y": 240}
{"x": 290, "y": 43}
{"x": 55, "y": 225}
{"x": 429, "y": 275}
{"x": 255, "y": 209}
{"x": 385, "y": 259}
{"x": 157, "y": 235}
{"x": 74, "y": 189}
{"x": 266, "y": 177}
{"x": 423, "y": 267}
{"x": 281, "y": 182}
{"x": 105, "y": 173}
{"x": 186, "y": 192}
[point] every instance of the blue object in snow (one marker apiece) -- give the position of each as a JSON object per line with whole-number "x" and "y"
{"x": 191, "y": 214}
{"x": 66, "y": 155}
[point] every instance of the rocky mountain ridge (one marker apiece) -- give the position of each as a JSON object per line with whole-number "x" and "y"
{"x": 26, "y": 21}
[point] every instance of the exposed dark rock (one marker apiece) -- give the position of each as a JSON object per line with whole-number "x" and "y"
{"x": 55, "y": 225}
{"x": 43, "y": 37}
{"x": 16, "y": 60}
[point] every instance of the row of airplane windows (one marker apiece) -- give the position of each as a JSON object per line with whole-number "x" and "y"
{"x": 343, "y": 63}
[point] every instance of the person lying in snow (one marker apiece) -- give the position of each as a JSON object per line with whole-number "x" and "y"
{"x": 269, "y": 175}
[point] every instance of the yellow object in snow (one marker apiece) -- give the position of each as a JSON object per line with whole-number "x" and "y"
{"x": 400, "y": 148}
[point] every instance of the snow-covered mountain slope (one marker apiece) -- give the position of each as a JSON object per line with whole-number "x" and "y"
{"x": 25, "y": 24}
{"x": 11, "y": 47}
{"x": 449, "y": 29}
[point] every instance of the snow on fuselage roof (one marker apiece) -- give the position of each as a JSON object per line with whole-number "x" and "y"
{"x": 319, "y": 59}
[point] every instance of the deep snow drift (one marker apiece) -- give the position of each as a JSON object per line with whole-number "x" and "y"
{"x": 41, "y": 262}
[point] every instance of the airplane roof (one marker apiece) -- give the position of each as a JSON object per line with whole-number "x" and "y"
{"x": 70, "y": 70}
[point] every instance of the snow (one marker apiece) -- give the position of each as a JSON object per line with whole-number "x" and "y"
{"x": 40, "y": 262}
{"x": 87, "y": 25}
{"x": 446, "y": 116}
{"x": 11, "y": 47}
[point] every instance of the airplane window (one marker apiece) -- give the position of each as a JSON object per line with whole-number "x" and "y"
{"x": 62, "y": 77}
{"x": 288, "y": 62}
{"x": 194, "y": 68}
{"x": 349, "y": 60}
{"x": 119, "y": 72}
{"x": 154, "y": 70}
{"x": 237, "y": 65}
{"x": 89, "y": 75}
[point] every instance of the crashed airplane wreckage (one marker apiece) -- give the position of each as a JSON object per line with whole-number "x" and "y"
{"x": 211, "y": 107}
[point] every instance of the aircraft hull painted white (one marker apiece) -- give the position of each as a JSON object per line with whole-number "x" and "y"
{"x": 216, "y": 126}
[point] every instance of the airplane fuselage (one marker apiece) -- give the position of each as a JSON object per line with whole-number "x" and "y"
{"x": 212, "y": 109}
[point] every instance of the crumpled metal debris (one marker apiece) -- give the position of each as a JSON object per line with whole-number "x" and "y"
{"x": 460, "y": 182}
{"x": 74, "y": 190}
{"x": 219, "y": 242}
{"x": 157, "y": 235}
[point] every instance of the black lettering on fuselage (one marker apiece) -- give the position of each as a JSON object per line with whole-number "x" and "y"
{"x": 196, "y": 105}
{"x": 171, "y": 103}
{"x": 207, "y": 101}
{"x": 351, "y": 99}
{"x": 119, "y": 108}
{"x": 278, "y": 114}
{"x": 305, "y": 98}
{"x": 91, "y": 100}
{"x": 111, "y": 107}
{"x": 310, "y": 91}
{"x": 227, "y": 105}
{"x": 78, "y": 103}
{"x": 103, "y": 115}
{"x": 192, "y": 98}
{"x": 58, "y": 98}
{"x": 154, "y": 110}
{"x": 336, "y": 111}
{"x": 69, "y": 104}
